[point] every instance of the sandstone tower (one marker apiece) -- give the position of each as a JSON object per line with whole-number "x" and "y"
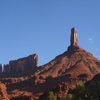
{"x": 73, "y": 39}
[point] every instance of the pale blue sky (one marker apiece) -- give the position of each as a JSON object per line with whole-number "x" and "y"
{"x": 43, "y": 27}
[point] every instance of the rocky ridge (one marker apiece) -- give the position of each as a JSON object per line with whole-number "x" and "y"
{"x": 21, "y": 66}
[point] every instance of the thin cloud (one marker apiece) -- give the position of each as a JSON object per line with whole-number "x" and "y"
{"x": 91, "y": 40}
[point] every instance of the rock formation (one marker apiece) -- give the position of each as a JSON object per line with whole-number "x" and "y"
{"x": 22, "y": 65}
{"x": 64, "y": 71}
{"x": 3, "y": 92}
{"x": 73, "y": 39}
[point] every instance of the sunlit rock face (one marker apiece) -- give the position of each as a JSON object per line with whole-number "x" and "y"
{"x": 3, "y": 92}
{"x": 73, "y": 39}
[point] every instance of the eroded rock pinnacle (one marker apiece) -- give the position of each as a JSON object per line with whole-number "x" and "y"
{"x": 73, "y": 39}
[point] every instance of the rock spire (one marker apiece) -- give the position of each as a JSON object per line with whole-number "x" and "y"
{"x": 73, "y": 38}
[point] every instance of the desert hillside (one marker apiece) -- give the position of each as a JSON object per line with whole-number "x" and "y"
{"x": 24, "y": 79}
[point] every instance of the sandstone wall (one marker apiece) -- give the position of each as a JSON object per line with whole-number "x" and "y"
{"x": 23, "y": 64}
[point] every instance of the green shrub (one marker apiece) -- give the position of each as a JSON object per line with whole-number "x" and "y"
{"x": 51, "y": 96}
